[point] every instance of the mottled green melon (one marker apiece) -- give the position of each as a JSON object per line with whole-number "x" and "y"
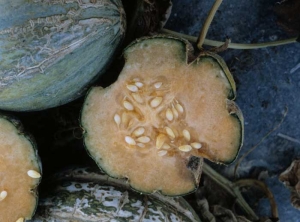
{"x": 50, "y": 51}
{"x": 168, "y": 109}
{"x": 20, "y": 172}
{"x": 87, "y": 195}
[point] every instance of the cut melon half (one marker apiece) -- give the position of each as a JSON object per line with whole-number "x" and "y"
{"x": 20, "y": 172}
{"x": 162, "y": 115}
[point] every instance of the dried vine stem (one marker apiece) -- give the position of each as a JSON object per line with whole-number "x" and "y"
{"x": 232, "y": 189}
{"x": 250, "y": 183}
{"x": 231, "y": 45}
{"x": 207, "y": 23}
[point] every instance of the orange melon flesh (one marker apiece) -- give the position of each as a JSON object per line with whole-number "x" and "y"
{"x": 161, "y": 111}
{"x": 17, "y": 157}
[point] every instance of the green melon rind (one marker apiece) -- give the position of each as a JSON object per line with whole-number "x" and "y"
{"x": 76, "y": 61}
{"x": 76, "y": 185}
{"x": 20, "y": 130}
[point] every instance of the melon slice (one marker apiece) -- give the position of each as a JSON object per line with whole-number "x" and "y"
{"x": 162, "y": 115}
{"x": 20, "y": 172}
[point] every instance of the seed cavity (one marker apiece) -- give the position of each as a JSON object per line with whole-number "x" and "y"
{"x": 137, "y": 97}
{"x": 169, "y": 114}
{"x": 157, "y": 85}
{"x": 3, "y": 194}
{"x": 139, "y": 84}
{"x": 196, "y": 145}
{"x": 186, "y": 135}
{"x": 33, "y": 174}
{"x": 130, "y": 140}
{"x": 160, "y": 140}
{"x": 185, "y": 148}
{"x": 117, "y": 119}
{"x": 170, "y": 132}
{"x": 143, "y": 139}
{"x": 132, "y": 88}
{"x": 156, "y": 102}
{"x": 162, "y": 153}
{"x": 139, "y": 131}
{"x": 179, "y": 108}
{"x": 21, "y": 219}
{"x": 128, "y": 105}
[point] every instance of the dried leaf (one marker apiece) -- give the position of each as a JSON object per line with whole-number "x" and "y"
{"x": 291, "y": 178}
{"x": 146, "y": 16}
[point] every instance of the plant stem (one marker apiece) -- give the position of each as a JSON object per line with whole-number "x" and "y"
{"x": 207, "y": 23}
{"x": 265, "y": 189}
{"x": 231, "y": 45}
{"x": 231, "y": 188}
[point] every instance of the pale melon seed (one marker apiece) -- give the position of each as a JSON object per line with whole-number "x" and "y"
{"x": 166, "y": 146}
{"x": 137, "y": 97}
{"x": 169, "y": 114}
{"x": 143, "y": 139}
{"x": 162, "y": 153}
{"x": 186, "y": 135}
{"x": 3, "y": 194}
{"x": 170, "y": 132}
{"x": 33, "y": 174}
{"x": 132, "y": 88}
{"x": 175, "y": 112}
{"x": 130, "y": 140}
{"x": 185, "y": 148}
{"x": 160, "y": 141}
{"x": 157, "y": 85}
{"x": 139, "y": 84}
{"x": 196, "y": 145}
{"x": 140, "y": 145}
{"x": 128, "y": 105}
{"x": 117, "y": 119}
{"x": 156, "y": 102}
{"x": 179, "y": 107}
{"x": 21, "y": 219}
{"x": 139, "y": 131}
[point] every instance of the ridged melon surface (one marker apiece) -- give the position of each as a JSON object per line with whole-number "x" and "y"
{"x": 162, "y": 111}
{"x": 50, "y": 51}
{"x": 20, "y": 172}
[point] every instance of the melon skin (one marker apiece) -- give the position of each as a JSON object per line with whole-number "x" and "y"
{"x": 86, "y": 194}
{"x": 50, "y": 51}
{"x": 19, "y": 155}
{"x": 202, "y": 89}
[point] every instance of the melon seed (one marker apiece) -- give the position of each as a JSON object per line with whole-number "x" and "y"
{"x": 156, "y": 102}
{"x": 132, "y": 88}
{"x": 117, "y": 119}
{"x": 157, "y": 85}
{"x": 137, "y": 97}
{"x": 169, "y": 114}
{"x": 130, "y": 140}
{"x": 33, "y": 174}
{"x": 162, "y": 152}
{"x": 3, "y": 194}
{"x": 139, "y": 131}
{"x": 170, "y": 132}
{"x": 128, "y": 105}
{"x": 185, "y": 148}
{"x": 186, "y": 135}
{"x": 196, "y": 145}
{"x": 160, "y": 140}
{"x": 139, "y": 84}
{"x": 143, "y": 139}
{"x": 21, "y": 219}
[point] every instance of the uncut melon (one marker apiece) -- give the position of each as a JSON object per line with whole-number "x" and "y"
{"x": 167, "y": 110}
{"x": 20, "y": 172}
{"x": 85, "y": 194}
{"x": 50, "y": 51}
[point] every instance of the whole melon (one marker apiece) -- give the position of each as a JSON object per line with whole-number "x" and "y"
{"x": 51, "y": 50}
{"x": 86, "y": 194}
